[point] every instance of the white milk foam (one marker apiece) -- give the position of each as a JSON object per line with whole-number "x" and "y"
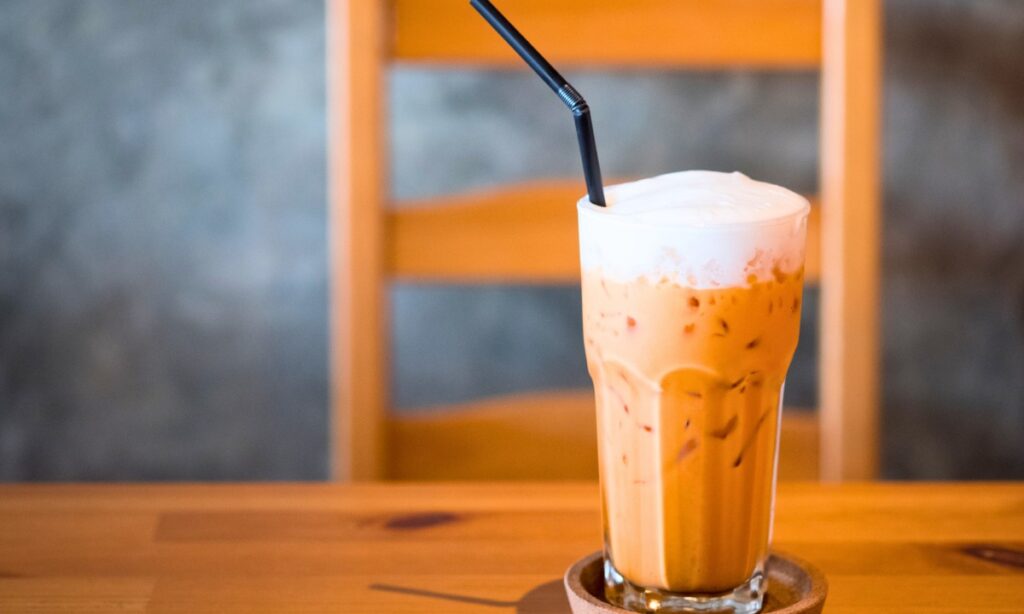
{"x": 703, "y": 229}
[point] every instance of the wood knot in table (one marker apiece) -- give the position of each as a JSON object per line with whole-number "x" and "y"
{"x": 996, "y": 554}
{"x": 421, "y": 521}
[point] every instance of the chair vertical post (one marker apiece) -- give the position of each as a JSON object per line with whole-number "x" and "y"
{"x": 356, "y": 171}
{"x": 850, "y": 164}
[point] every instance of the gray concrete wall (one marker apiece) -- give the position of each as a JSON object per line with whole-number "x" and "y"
{"x": 162, "y": 283}
{"x": 162, "y": 240}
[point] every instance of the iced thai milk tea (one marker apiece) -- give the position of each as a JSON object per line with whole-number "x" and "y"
{"x": 691, "y": 309}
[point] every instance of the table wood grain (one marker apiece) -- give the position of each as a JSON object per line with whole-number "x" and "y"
{"x": 499, "y": 547}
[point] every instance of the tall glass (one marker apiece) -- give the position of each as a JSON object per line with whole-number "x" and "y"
{"x": 689, "y": 327}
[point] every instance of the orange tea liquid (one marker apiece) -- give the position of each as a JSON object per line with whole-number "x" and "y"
{"x": 688, "y": 385}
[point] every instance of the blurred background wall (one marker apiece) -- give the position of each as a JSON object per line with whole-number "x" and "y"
{"x": 163, "y": 251}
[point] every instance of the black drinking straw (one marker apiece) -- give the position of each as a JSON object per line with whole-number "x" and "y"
{"x": 568, "y": 94}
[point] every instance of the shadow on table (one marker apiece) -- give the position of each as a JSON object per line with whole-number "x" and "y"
{"x": 547, "y": 598}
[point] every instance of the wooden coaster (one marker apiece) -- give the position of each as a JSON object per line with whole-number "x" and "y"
{"x": 794, "y": 586}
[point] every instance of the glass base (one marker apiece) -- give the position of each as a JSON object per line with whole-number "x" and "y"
{"x": 744, "y": 599}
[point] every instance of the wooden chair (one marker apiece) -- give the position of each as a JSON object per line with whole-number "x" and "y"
{"x": 552, "y": 435}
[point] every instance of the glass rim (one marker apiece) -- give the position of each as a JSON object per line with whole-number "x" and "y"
{"x": 583, "y": 205}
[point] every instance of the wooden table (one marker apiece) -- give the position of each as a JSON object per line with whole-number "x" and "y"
{"x": 465, "y": 548}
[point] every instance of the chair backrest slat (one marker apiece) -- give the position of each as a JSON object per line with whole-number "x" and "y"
{"x": 784, "y": 34}
{"x": 512, "y": 234}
